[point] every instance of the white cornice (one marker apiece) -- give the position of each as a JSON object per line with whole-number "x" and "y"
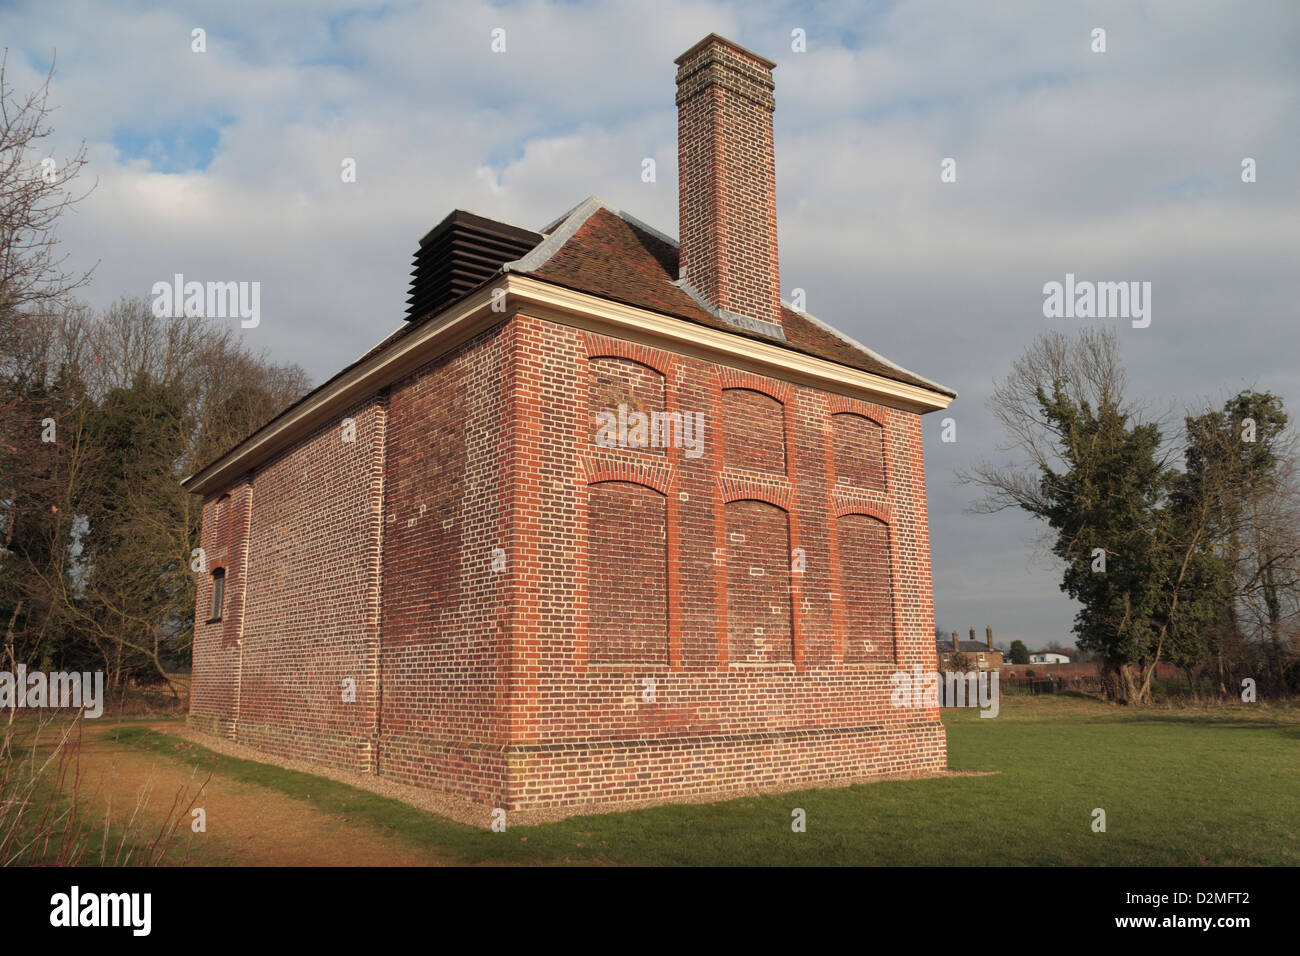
{"x": 459, "y": 323}
{"x": 625, "y": 321}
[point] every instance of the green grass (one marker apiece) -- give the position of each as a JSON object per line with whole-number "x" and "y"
{"x": 1180, "y": 786}
{"x": 131, "y": 845}
{"x": 100, "y": 844}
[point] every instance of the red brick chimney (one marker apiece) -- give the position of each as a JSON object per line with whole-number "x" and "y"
{"x": 727, "y": 174}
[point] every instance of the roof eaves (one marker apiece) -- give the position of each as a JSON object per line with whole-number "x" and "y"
{"x": 382, "y": 346}
{"x": 375, "y": 349}
{"x": 848, "y": 340}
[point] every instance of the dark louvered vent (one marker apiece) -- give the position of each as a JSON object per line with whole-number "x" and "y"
{"x": 457, "y": 255}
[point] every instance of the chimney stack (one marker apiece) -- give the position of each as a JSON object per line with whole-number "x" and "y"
{"x": 988, "y": 631}
{"x": 727, "y": 183}
{"x": 955, "y": 645}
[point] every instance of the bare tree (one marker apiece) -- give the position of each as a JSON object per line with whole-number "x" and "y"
{"x": 173, "y": 393}
{"x": 1268, "y": 567}
{"x": 1087, "y": 371}
{"x": 41, "y": 354}
{"x": 35, "y": 191}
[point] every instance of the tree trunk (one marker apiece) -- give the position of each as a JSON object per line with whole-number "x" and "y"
{"x": 1274, "y": 605}
{"x": 1120, "y": 682}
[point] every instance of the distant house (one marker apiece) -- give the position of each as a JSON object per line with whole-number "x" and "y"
{"x": 980, "y": 656}
{"x": 1048, "y": 657}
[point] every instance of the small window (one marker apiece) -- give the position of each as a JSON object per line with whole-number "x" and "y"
{"x": 218, "y": 592}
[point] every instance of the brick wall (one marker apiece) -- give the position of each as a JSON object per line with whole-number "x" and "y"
{"x": 768, "y": 678}
{"x": 865, "y": 588}
{"x": 447, "y": 563}
{"x": 214, "y": 690}
{"x": 531, "y": 619}
{"x": 307, "y": 679}
{"x": 299, "y": 546}
{"x": 627, "y": 543}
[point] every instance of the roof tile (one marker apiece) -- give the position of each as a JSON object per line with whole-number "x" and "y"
{"x": 613, "y": 258}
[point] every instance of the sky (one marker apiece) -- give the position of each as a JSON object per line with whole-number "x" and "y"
{"x": 1122, "y": 165}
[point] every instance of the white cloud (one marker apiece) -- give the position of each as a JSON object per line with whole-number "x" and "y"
{"x": 1121, "y": 166}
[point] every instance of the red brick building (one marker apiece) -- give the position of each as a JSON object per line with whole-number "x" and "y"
{"x": 604, "y": 519}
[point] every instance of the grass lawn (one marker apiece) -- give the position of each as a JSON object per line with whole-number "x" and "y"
{"x": 1180, "y": 786}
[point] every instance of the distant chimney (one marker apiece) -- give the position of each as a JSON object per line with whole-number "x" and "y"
{"x": 988, "y": 631}
{"x": 727, "y": 183}
{"x": 955, "y": 645}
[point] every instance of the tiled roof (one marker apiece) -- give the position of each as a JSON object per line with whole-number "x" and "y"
{"x": 615, "y": 257}
{"x": 597, "y": 249}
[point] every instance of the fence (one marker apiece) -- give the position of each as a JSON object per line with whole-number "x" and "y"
{"x": 1049, "y": 684}
{"x": 1168, "y": 680}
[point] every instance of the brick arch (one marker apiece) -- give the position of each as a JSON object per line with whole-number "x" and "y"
{"x": 858, "y": 453}
{"x": 866, "y": 587}
{"x": 753, "y": 427}
{"x": 839, "y": 404}
{"x": 842, "y": 505}
{"x": 604, "y": 346}
{"x": 616, "y": 380}
{"x": 628, "y": 583}
{"x": 736, "y": 488}
{"x": 734, "y": 378}
{"x": 660, "y": 478}
{"x": 615, "y": 363}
